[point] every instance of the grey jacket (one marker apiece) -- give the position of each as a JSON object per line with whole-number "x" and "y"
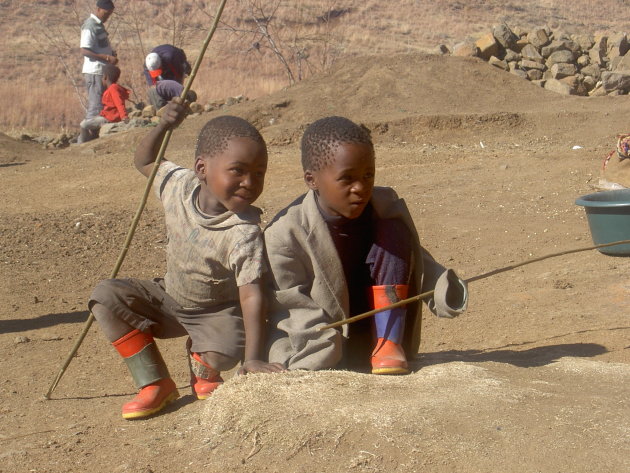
{"x": 308, "y": 287}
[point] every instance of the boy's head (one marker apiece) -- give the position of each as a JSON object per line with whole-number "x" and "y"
{"x": 104, "y": 9}
{"x": 230, "y": 163}
{"x": 111, "y": 74}
{"x": 338, "y": 163}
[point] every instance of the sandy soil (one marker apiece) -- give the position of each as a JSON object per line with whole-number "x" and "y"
{"x": 533, "y": 377}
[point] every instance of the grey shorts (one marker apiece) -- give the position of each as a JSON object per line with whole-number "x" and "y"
{"x": 145, "y": 305}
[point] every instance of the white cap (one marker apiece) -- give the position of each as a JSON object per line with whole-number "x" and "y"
{"x": 153, "y": 61}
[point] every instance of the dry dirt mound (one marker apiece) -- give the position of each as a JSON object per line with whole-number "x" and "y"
{"x": 14, "y": 152}
{"x": 419, "y": 97}
{"x": 460, "y": 416}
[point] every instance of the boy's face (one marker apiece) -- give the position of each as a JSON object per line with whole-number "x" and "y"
{"x": 345, "y": 185}
{"x": 232, "y": 179}
{"x": 103, "y": 14}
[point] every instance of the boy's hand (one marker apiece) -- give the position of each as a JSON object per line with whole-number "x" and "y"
{"x": 174, "y": 112}
{"x": 258, "y": 366}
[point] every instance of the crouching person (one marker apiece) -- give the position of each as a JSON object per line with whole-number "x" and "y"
{"x": 344, "y": 248}
{"x": 211, "y": 292}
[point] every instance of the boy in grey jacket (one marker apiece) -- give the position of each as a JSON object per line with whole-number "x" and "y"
{"x": 343, "y": 248}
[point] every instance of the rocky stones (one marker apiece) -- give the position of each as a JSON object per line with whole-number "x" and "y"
{"x": 538, "y": 38}
{"x": 148, "y": 111}
{"x": 505, "y": 36}
{"x": 570, "y": 64}
{"x": 531, "y": 53}
{"x": 559, "y": 87}
{"x": 146, "y": 116}
{"x": 487, "y": 46}
{"x": 465, "y": 49}
{"x": 196, "y": 107}
{"x": 562, "y": 69}
{"x": 496, "y": 62}
{"x": 562, "y": 56}
{"x": 617, "y": 45}
{"x": 442, "y": 49}
{"x": 619, "y": 81}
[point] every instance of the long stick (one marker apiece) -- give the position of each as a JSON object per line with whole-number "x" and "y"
{"x": 143, "y": 202}
{"x": 428, "y": 294}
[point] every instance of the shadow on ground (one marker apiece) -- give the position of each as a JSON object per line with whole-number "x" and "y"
{"x": 533, "y": 357}
{"x": 43, "y": 321}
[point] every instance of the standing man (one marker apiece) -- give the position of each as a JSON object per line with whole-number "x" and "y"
{"x": 97, "y": 51}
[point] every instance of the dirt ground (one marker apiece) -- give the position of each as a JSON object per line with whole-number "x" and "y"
{"x": 532, "y": 378}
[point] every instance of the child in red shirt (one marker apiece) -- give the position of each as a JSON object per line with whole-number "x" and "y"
{"x": 113, "y": 105}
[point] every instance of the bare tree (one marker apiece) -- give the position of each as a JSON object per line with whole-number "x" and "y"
{"x": 289, "y": 30}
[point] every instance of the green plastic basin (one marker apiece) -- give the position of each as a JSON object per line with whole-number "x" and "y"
{"x": 608, "y": 215}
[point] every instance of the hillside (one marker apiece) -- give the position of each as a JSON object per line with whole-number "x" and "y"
{"x": 42, "y": 86}
{"x": 533, "y": 377}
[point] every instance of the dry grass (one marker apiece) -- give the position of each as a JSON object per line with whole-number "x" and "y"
{"x": 38, "y": 86}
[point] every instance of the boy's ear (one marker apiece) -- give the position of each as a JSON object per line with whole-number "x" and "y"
{"x": 200, "y": 168}
{"x": 310, "y": 180}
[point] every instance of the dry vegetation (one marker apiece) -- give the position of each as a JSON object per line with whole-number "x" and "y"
{"x": 42, "y": 87}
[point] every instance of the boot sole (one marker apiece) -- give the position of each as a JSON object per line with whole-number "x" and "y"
{"x": 391, "y": 370}
{"x": 140, "y": 414}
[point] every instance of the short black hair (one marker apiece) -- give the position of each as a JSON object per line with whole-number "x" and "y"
{"x": 216, "y": 134}
{"x": 323, "y": 136}
{"x": 112, "y": 72}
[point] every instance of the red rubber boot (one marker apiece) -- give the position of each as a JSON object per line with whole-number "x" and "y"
{"x": 204, "y": 379}
{"x": 388, "y": 356}
{"x": 149, "y": 373}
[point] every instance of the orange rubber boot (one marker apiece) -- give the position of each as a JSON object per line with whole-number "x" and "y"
{"x": 204, "y": 379}
{"x": 388, "y": 356}
{"x": 149, "y": 373}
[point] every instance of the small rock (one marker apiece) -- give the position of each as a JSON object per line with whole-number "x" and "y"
{"x": 148, "y": 111}
{"x": 520, "y": 73}
{"x": 534, "y": 74}
{"x": 531, "y": 53}
{"x": 465, "y": 49}
{"x": 51, "y": 337}
{"x": 442, "y": 49}
{"x": 559, "y": 87}
{"x": 496, "y": 62}
{"x": 504, "y": 36}
{"x": 583, "y": 60}
{"x": 560, "y": 56}
{"x": 538, "y": 38}
{"x": 487, "y": 46}
{"x": 561, "y": 69}
{"x": 511, "y": 56}
{"x": 196, "y": 107}
{"x": 21, "y": 339}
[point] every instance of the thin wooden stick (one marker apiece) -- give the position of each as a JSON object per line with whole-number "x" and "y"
{"x": 143, "y": 202}
{"x": 428, "y": 294}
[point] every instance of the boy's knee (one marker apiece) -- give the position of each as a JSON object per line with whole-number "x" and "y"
{"x": 102, "y": 291}
{"x": 218, "y": 361}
